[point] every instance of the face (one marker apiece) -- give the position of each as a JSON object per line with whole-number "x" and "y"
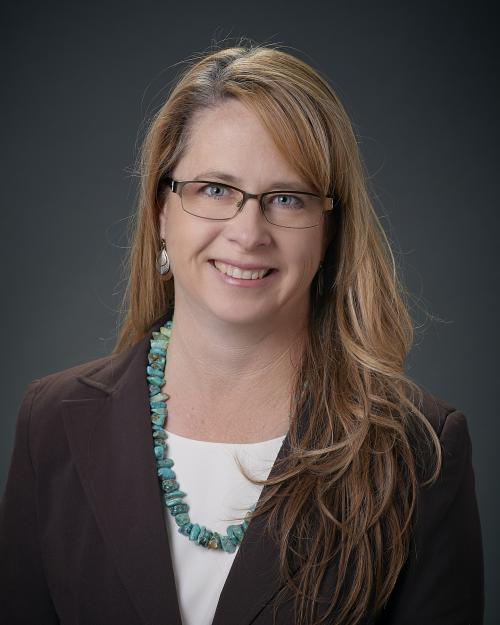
{"x": 231, "y": 139}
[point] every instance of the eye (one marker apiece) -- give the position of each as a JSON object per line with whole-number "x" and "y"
{"x": 215, "y": 190}
{"x": 284, "y": 200}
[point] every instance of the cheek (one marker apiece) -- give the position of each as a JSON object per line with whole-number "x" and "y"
{"x": 306, "y": 252}
{"x": 188, "y": 236}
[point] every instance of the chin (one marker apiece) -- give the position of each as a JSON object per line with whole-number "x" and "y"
{"x": 240, "y": 313}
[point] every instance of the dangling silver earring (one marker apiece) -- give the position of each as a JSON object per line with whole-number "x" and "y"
{"x": 162, "y": 260}
{"x": 319, "y": 281}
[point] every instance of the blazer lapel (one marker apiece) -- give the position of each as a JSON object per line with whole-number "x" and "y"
{"x": 108, "y": 427}
{"x": 254, "y": 577}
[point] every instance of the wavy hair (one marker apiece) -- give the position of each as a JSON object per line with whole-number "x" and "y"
{"x": 347, "y": 490}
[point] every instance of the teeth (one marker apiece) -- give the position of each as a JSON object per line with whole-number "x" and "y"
{"x": 236, "y": 272}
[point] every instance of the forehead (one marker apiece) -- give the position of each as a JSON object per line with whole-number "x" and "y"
{"x": 230, "y": 138}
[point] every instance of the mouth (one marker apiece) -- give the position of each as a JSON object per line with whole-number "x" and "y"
{"x": 241, "y": 274}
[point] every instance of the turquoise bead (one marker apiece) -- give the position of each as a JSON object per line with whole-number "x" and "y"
{"x": 195, "y": 532}
{"x": 215, "y": 542}
{"x": 159, "y": 452}
{"x": 182, "y": 518}
{"x": 165, "y": 472}
{"x": 232, "y": 535}
{"x": 169, "y": 485}
{"x": 155, "y": 380}
{"x": 154, "y": 371}
{"x": 166, "y": 462}
{"x": 166, "y": 331}
{"x": 170, "y": 500}
{"x": 157, "y": 359}
{"x": 235, "y": 533}
{"x": 158, "y": 419}
{"x": 160, "y": 434}
{"x": 227, "y": 545}
{"x": 185, "y": 529}
{"x": 159, "y": 411}
{"x": 176, "y": 493}
{"x": 158, "y": 397}
{"x": 157, "y": 404}
{"x": 161, "y": 351}
{"x": 178, "y": 508}
{"x": 203, "y": 536}
{"x": 158, "y": 344}
{"x": 154, "y": 389}
{"x": 239, "y": 532}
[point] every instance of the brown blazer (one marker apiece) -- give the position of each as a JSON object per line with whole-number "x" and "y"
{"x": 83, "y": 539}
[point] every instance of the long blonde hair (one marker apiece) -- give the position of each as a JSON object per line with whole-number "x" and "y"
{"x": 351, "y": 478}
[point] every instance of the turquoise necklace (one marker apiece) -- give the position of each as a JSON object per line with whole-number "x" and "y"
{"x": 172, "y": 495}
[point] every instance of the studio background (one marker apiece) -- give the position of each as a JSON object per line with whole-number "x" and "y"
{"x": 420, "y": 83}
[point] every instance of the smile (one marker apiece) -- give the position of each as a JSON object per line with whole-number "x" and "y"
{"x": 236, "y": 272}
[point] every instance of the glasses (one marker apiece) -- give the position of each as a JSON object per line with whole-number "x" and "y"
{"x": 214, "y": 200}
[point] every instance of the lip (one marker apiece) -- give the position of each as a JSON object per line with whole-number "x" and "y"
{"x": 242, "y": 266}
{"x": 249, "y": 284}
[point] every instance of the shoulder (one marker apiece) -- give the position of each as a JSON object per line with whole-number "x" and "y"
{"x": 451, "y": 426}
{"x": 436, "y": 410}
{"x": 41, "y": 420}
{"x": 40, "y": 409}
{"x": 446, "y": 551}
{"x": 89, "y": 379}
{"x": 44, "y": 392}
{"x": 454, "y": 487}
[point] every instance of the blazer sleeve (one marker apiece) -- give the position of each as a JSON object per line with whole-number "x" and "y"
{"x": 442, "y": 582}
{"x": 24, "y": 595}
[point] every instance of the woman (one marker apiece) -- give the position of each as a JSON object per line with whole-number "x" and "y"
{"x": 259, "y": 265}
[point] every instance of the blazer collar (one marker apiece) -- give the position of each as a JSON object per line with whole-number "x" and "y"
{"x": 107, "y": 421}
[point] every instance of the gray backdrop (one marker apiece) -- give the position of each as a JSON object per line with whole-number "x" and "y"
{"x": 420, "y": 81}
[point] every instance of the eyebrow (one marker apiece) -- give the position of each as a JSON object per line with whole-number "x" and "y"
{"x": 283, "y": 185}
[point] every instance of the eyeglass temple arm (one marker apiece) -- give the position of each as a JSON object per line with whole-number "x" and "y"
{"x": 170, "y": 181}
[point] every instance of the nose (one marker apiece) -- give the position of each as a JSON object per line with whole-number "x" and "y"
{"x": 249, "y": 228}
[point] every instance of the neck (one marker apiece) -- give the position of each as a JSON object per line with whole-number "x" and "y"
{"x": 228, "y": 381}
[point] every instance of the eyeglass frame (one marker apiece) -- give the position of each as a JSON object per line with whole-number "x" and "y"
{"x": 177, "y": 185}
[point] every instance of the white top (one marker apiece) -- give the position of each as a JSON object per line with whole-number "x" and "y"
{"x": 218, "y": 495}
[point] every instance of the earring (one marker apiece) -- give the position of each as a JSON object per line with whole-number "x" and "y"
{"x": 162, "y": 260}
{"x": 319, "y": 281}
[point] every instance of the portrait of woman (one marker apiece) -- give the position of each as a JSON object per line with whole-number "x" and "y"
{"x": 251, "y": 451}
